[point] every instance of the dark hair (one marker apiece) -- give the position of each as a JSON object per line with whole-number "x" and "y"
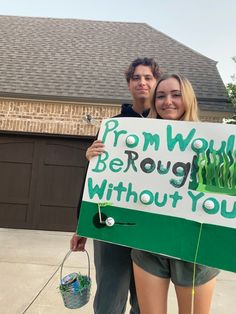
{"x": 149, "y": 62}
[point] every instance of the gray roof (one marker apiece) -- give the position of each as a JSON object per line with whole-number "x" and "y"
{"x": 83, "y": 60}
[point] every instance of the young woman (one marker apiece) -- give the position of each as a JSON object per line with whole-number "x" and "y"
{"x": 174, "y": 99}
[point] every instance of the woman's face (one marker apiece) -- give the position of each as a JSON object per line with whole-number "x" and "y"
{"x": 169, "y": 103}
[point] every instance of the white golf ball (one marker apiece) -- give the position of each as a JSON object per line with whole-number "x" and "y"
{"x": 209, "y": 204}
{"x": 110, "y": 221}
{"x": 198, "y": 144}
{"x": 130, "y": 140}
{"x": 145, "y": 198}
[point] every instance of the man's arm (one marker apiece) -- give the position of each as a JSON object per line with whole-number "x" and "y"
{"x": 97, "y": 148}
{"x": 77, "y": 243}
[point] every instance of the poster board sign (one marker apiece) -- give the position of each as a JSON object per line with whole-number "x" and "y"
{"x": 167, "y": 187}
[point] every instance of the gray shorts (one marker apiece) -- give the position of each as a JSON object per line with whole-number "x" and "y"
{"x": 180, "y": 272}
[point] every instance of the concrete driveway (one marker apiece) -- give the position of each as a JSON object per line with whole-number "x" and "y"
{"x": 29, "y": 275}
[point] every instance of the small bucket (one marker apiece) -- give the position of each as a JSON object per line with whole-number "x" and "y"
{"x": 74, "y": 287}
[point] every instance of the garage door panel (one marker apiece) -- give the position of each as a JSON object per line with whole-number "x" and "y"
{"x": 60, "y": 218}
{"x": 15, "y": 182}
{"x": 58, "y": 185}
{"x": 21, "y": 151}
{"x": 67, "y": 155}
{"x": 13, "y": 214}
{"x": 41, "y": 181}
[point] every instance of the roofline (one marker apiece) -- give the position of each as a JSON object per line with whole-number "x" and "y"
{"x": 53, "y": 98}
{"x": 225, "y": 100}
{"x": 102, "y": 101}
{"x": 185, "y": 45}
{"x": 87, "y": 99}
{"x": 69, "y": 18}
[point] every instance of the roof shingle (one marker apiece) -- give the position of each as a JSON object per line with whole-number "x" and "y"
{"x": 81, "y": 59}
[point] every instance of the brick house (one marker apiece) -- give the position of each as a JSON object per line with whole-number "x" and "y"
{"x": 57, "y": 74}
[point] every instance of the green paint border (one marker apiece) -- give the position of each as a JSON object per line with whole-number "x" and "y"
{"x": 163, "y": 234}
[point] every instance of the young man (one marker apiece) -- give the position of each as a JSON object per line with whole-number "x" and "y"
{"x": 114, "y": 272}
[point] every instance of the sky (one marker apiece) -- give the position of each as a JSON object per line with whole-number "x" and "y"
{"x": 207, "y": 26}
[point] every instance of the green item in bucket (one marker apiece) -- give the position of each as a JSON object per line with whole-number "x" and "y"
{"x": 75, "y": 287}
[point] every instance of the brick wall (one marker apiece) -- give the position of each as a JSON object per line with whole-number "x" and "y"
{"x": 52, "y": 117}
{"x": 214, "y": 116}
{"x": 63, "y": 118}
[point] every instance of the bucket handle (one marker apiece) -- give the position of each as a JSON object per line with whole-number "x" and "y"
{"x": 67, "y": 255}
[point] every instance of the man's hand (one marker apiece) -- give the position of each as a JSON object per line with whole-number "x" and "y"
{"x": 77, "y": 243}
{"x": 97, "y": 148}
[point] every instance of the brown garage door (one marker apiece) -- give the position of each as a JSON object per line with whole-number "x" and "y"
{"x": 40, "y": 181}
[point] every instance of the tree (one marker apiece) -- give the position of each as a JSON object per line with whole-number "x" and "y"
{"x": 230, "y": 120}
{"x": 231, "y": 89}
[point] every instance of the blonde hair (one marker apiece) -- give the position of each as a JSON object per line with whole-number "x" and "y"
{"x": 188, "y": 97}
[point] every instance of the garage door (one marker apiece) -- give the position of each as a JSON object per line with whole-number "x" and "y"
{"x": 41, "y": 180}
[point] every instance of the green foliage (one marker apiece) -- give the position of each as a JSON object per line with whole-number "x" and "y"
{"x": 231, "y": 89}
{"x": 82, "y": 283}
{"x": 231, "y": 120}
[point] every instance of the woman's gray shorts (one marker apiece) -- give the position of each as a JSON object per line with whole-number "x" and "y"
{"x": 180, "y": 272}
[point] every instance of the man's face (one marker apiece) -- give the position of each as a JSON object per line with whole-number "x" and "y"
{"x": 142, "y": 84}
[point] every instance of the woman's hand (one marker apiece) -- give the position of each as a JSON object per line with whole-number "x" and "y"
{"x": 97, "y": 148}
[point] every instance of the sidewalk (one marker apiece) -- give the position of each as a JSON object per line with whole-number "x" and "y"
{"x": 28, "y": 259}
